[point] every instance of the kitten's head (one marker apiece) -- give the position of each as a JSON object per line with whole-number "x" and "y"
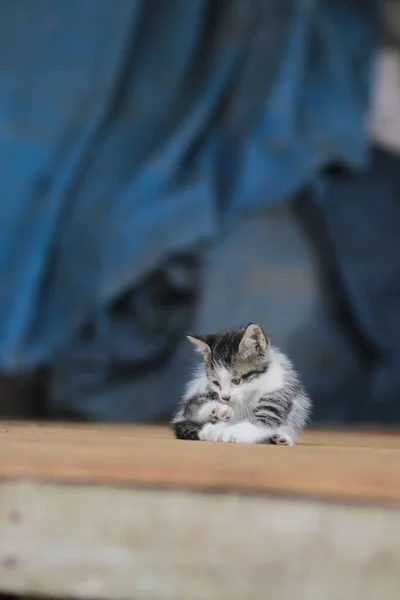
{"x": 234, "y": 360}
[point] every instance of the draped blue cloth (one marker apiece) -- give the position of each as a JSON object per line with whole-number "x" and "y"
{"x": 133, "y": 134}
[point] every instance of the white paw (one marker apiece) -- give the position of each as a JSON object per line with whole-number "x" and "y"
{"x": 222, "y": 412}
{"x": 214, "y": 411}
{"x": 242, "y": 433}
{"x": 212, "y": 432}
{"x": 282, "y": 439}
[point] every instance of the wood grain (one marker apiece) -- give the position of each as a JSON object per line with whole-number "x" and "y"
{"x": 342, "y": 466}
{"x": 387, "y": 438}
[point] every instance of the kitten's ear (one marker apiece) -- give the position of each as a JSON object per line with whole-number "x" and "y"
{"x": 200, "y": 345}
{"x": 253, "y": 342}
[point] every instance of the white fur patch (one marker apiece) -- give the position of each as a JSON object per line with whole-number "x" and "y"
{"x": 240, "y": 433}
{"x": 224, "y": 377}
{"x": 244, "y": 433}
{"x": 198, "y": 385}
{"x": 211, "y": 432}
{"x": 273, "y": 378}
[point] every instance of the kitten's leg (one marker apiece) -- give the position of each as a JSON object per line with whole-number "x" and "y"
{"x": 222, "y": 412}
{"x": 282, "y": 439}
{"x": 283, "y": 436}
{"x": 243, "y": 433}
{"x": 246, "y": 433}
{"x": 214, "y": 411}
{"x": 215, "y": 416}
{"x": 190, "y": 422}
{"x": 186, "y": 430}
{"x": 212, "y": 432}
{"x": 273, "y": 411}
{"x": 206, "y": 408}
{"x": 240, "y": 433}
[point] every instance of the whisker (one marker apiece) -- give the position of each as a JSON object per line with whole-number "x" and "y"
{"x": 245, "y": 410}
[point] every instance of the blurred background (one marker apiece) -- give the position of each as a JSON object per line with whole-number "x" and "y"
{"x": 170, "y": 166}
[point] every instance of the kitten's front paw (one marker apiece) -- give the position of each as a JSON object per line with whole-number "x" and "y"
{"x": 212, "y": 432}
{"x": 282, "y": 439}
{"x": 222, "y": 412}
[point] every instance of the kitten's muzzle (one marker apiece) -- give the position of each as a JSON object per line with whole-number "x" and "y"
{"x": 225, "y": 398}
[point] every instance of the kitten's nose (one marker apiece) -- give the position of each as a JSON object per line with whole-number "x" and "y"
{"x": 225, "y": 398}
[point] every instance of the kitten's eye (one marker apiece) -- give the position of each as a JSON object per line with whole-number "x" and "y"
{"x": 216, "y": 383}
{"x": 236, "y": 381}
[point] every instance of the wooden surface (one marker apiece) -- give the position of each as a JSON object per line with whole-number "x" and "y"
{"x": 78, "y": 541}
{"x": 144, "y": 521}
{"x": 346, "y": 466}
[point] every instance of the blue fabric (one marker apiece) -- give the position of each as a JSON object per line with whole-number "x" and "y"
{"x": 130, "y": 133}
{"x": 361, "y": 215}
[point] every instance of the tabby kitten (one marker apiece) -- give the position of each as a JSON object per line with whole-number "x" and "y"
{"x": 246, "y": 391}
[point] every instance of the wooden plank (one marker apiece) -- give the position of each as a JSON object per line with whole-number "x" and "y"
{"x": 99, "y": 542}
{"x": 382, "y": 438}
{"x": 352, "y": 438}
{"x": 152, "y": 458}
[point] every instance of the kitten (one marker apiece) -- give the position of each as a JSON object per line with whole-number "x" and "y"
{"x": 246, "y": 391}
